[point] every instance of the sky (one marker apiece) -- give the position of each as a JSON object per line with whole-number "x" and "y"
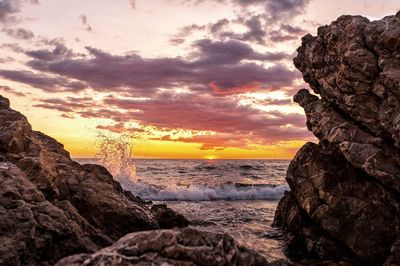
{"x": 181, "y": 78}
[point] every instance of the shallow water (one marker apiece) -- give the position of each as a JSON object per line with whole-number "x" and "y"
{"x": 238, "y": 197}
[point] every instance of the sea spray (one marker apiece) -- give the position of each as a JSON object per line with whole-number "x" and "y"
{"x": 116, "y": 154}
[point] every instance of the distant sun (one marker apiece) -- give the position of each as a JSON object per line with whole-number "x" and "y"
{"x": 210, "y": 157}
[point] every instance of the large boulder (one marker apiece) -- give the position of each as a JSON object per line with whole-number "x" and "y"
{"x": 34, "y": 230}
{"x": 183, "y": 247}
{"x": 52, "y": 206}
{"x": 344, "y": 202}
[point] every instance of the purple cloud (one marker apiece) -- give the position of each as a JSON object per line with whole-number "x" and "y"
{"x": 220, "y": 63}
{"x": 235, "y": 125}
{"x": 19, "y": 33}
{"x": 42, "y": 81}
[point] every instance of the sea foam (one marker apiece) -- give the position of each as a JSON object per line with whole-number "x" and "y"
{"x": 115, "y": 153}
{"x": 204, "y": 193}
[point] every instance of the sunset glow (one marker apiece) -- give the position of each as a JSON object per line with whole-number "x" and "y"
{"x": 186, "y": 79}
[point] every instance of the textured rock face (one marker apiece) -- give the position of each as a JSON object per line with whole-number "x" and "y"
{"x": 344, "y": 202}
{"x": 167, "y": 218}
{"x": 170, "y": 247}
{"x": 51, "y": 206}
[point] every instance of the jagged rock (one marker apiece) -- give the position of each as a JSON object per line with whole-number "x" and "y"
{"x": 51, "y": 206}
{"x": 171, "y": 247}
{"x": 344, "y": 203}
{"x": 354, "y": 65}
{"x": 4, "y": 103}
{"x": 167, "y": 218}
{"x": 32, "y": 229}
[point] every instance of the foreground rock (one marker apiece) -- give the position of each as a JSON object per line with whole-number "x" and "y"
{"x": 344, "y": 203}
{"x": 170, "y": 247}
{"x": 51, "y": 206}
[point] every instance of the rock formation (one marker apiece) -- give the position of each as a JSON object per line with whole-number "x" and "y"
{"x": 170, "y": 247}
{"x": 344, "y": 203}
{"x": 51, "y": 206}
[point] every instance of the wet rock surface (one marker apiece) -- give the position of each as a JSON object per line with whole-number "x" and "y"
{"x": 171, "y": 247}
{"x": 344, "y": 203}
{"x": 52, "y": 207}
{"x": 167, "y": 218}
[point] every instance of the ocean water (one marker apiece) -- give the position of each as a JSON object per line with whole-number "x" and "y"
{"x": 238, "y": 197}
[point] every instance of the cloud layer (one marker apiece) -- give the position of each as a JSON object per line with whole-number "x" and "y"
{"x": 209, "y": 93}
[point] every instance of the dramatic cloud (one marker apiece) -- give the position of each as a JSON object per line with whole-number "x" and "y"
{"x": 42, "y": 81}
{"x": 261, "y": 26}
{"x": 226, "y": 65}
{"x": 213, "y": 95}
{"x": 232, "y": 124}
{"x": 192, "y": 110}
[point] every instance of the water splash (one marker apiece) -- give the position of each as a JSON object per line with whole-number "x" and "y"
{"x": 116, "y": 154}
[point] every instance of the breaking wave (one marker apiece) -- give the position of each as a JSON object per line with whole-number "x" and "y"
{"x": 205, "y": 193}
{"x": 116, "y": 154}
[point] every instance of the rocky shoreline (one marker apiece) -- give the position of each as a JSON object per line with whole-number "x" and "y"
{"x": 52, "y": 207}
{"x": 344, "y": 203}
{"x": 343, "y": 207}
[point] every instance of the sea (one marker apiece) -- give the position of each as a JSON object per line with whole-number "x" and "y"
{"x": 237, "y": 197}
